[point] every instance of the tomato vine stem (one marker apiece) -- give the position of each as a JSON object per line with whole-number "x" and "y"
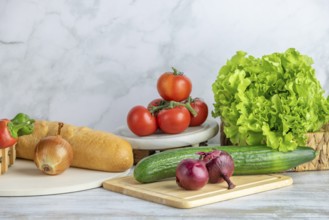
{"x": 176, "y": 72}
{"x": 173, "y": 104}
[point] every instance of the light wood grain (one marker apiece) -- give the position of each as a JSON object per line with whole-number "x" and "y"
{"x": 167, "y": 192}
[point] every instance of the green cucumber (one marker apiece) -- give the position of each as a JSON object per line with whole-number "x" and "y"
{"x": 248, "y": 160}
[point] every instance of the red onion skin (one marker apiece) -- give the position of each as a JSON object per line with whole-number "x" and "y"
{"x": 220, "y": 166}
{"x": 191, "y": 174}
{"x": 213, "y": 168}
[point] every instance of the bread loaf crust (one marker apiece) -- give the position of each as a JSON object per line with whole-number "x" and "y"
{"x": 92, "y": 149}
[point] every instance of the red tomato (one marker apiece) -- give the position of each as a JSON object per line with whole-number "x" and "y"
{"x": 141, "y": 122}
{"x": 174, "y": 86}
{"x": 202, "y": 109}
{"x": 155, "y": 102}
{"x": 174, "y": 120}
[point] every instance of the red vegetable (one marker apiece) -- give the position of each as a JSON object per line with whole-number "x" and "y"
{"x": 191, "y": 174}
{"x": 155, "y": 103}
{"x": 173, "y": 120}
{"x": 141, "y": 122}
{"x": 174, "y": 86}
{"x": 7, "y": 139}
{"x": 201, "y": 109}
{"x": 220, "y": 166}
{"x": 10, "y": 130}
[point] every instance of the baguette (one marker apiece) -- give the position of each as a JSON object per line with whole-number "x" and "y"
{"x": 92, "y": 149}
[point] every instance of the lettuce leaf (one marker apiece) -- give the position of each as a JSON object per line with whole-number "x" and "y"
{"x": 273, "y": 100}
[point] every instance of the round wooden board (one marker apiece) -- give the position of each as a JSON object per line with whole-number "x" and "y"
{"x": 160, "y": 141}
{"x": 24, "y": 179}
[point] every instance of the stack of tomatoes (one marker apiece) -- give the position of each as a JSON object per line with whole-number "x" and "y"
{"x": 173, "y": 113}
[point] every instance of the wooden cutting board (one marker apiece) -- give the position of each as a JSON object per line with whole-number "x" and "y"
{"x": 168, "y": 193}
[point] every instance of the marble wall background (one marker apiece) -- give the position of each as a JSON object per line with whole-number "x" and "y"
{"x": 88, "y": 62}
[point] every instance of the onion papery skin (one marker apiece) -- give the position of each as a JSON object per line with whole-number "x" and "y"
{"x": 191, "y": 174}
{"x": 53, "y": 155}
{"x": 220, "y": 166}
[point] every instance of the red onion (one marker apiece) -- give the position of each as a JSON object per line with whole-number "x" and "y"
{"x": 220, "y": 166}
{"x": 191, "y": 174}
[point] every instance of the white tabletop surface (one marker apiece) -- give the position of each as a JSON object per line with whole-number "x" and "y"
{"x": 307, "y": 198}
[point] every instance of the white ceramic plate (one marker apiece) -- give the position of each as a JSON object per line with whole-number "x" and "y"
{"x": 24, "y": 179}
{"x": 191, "y": 136}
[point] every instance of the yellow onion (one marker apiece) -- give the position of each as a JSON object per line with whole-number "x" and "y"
{"x": 53, "y": 154}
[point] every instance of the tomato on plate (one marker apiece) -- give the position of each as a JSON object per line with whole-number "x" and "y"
{"x": 173, "y": 120}
{"x": 202, "y": 112}
{"x": 155, "y": 102}
{"x": 141, "y": 122}
{"x": 174, "y": 86}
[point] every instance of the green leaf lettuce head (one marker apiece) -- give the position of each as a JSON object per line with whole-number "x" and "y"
{"x": 273, "y": 100}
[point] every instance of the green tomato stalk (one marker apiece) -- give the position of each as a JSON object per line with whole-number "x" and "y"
{"x": 176, "y": 72}
{"x": 172, "y": 104}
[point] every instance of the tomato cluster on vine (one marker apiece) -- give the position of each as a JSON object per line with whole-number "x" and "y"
{"x": 173, "y": 113}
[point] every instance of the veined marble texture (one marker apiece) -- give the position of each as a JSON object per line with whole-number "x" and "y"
{"x": 88, "y": 62}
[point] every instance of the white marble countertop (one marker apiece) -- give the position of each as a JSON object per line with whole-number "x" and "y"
{"x": 307, "y": 198}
